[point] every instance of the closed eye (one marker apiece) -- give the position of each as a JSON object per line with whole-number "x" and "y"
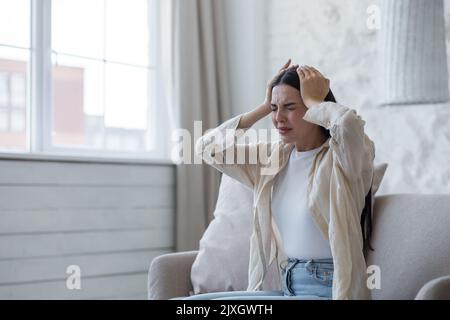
{"x": 289, "y": 106}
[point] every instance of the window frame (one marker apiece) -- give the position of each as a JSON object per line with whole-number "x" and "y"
{"x": 39, "y": 121}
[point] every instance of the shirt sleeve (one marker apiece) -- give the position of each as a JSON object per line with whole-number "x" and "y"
{"x": 352, "y": 148}
{"x": 219, "y": 149}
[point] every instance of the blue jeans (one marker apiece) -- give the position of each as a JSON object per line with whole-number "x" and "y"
{"x": 302, "y": 279}
{"x": 308, "y": 278}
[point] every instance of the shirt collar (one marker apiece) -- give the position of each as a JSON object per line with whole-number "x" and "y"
{"x": 287, "y": 147}
{"x": 285, "y": 151}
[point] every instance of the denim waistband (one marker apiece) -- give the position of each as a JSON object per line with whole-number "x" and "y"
{"x": 324, "y": 260}
{"x": 312, "y": 266}
{"x": 293, "y": 262}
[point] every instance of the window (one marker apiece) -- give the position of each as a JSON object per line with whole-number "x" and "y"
{"x": 14, "y": 60}
{"x": 88, "y": 87}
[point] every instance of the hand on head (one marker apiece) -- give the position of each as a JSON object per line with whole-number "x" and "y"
{"x": 314, "y": 86}
{"x": 269, "y": 87}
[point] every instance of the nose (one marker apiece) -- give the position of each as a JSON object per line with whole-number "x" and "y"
{"x": 279, "y": 116}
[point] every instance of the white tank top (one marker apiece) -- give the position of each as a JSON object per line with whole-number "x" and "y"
{"x": 300, "y": 236}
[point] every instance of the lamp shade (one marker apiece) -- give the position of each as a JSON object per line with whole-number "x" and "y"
{"x": 413, "y": 52}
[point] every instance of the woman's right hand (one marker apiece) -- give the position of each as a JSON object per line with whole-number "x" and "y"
{"x": 268, "y": 98}
{"x": 250, "y": 118}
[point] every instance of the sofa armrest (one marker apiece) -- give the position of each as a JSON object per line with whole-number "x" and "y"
{"x": 169, "y": 275}
{"x": 437, "y": 289}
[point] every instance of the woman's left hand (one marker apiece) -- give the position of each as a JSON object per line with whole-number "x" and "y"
{"x": 314, "y": 86}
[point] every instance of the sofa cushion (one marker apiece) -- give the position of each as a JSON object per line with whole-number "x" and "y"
{"x": 223, "y": 258}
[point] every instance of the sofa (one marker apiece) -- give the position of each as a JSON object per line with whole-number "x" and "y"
{"x": 410, "y": 236}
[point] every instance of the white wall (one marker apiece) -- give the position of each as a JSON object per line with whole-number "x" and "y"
{"x": 331, "y": 35}
{"x": 246, "y": 32}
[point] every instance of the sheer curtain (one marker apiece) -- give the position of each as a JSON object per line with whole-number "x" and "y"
{"x": 194, "y": 86}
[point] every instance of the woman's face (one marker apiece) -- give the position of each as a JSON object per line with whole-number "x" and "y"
{"x": 288, "y": 110}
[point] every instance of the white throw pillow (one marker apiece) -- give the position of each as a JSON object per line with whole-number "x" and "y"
{"x": 224, "y": 250}
{"x": 223, "y": 257}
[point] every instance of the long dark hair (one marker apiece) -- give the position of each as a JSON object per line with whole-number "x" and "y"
{"x": 290, "y": 77}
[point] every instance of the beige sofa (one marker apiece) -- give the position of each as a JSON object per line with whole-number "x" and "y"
{"x": 411, "y": 237}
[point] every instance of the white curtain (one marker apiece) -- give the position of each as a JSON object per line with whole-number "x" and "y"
{"x": 193, "y": 73}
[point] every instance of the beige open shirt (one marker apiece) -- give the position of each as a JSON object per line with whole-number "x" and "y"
{"x": 340, "y": 177}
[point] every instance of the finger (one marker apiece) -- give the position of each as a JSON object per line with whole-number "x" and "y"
{"x": 285, "y": 69}
{"x": 308, "y": 72}
{"x": 310, "y": 69}
{"x": 285, "y": 65}
{"x": 301, "y": 73}
{"x": 291, "y": 68}
{"x": 316, "y": 71}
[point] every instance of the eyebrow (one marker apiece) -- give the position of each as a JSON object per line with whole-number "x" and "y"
{"x": 286, "y": 104}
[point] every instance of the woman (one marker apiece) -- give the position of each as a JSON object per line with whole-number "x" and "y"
{"x": 312, "y": 211}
